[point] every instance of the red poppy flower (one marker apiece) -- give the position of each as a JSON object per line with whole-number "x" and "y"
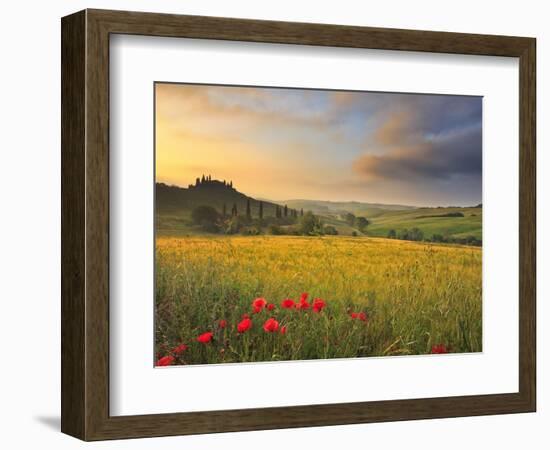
{"x": 222, "y": 323}
{"x": 318, "y": 304}
{"x": 439, "y": 349}
{"x": 180, "y": 349}
{"x": 244, "y": 325}
{"x": 287, "y": 303}
{"x": 271, "y": 325}
{"x": 283, "y": 330}
{"x": 257, "y": 309}
{"x": 360, "y": 315}
{"x": 165, "y": 361}
{"x": 270, "y": 306}
{"x": 204, "y": 338}
{"x": 259, "y": 303}
{"x": 245, "y": 316}
{"x": 303, "y": 297}
{"x": 302, "y": 305}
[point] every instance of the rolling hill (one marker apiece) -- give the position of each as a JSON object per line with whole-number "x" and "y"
{"x": 358, "y": 208}
{"x": 170, "y": 199}
{"x": 431, "y": 221}
{"x": 452, "y": 222}
{"x": 174, "y": 205}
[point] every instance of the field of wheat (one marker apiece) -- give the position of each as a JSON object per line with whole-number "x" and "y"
{"x": 276, "y": 298}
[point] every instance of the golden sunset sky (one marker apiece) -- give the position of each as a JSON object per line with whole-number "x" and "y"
{"x": 283, "y": 144}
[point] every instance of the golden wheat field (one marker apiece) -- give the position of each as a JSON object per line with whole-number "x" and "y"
{"x": 269, "y": 298}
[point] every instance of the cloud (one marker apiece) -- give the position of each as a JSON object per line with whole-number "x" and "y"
{"x": 374, "y": 146}
{"x": 240, "y": 107}
{"x": 433, "y": 139}
{"x": 455, "y": 155}
{"x": 396, "y": 129}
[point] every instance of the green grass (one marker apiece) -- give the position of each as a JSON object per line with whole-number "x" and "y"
{"x": 178, "y": 222}
{"x": 174, "y": 206}
{"x": 469, "y": 225}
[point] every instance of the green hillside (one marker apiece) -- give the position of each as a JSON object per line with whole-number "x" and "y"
{"x": 170, "y": 199}
{"x": 451, "y": 222}
{"x": 174, "y": 206}
{"x": 431, "y": 221}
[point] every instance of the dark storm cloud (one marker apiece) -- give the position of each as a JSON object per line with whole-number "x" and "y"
{"x": 440, "y": 158}
{"x": 425, "y": 137}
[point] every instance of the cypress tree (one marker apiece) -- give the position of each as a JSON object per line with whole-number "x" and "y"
{"x": 302, "y": 212}
{"x": 234, "y": 211}
{"x": 261, "y": 214}
{"x": 203, "y": 179}
{"x": 248, "y": 212}
{"x": 286, "y": 211}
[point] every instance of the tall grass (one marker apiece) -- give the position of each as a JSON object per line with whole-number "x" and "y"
{"x": 415, "y": 295}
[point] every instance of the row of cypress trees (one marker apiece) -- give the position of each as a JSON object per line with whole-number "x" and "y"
{"x": 280, "y": 212}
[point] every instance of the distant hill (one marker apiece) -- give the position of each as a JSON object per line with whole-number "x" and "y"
{"x": 215, "y": 193}
{"x": 357, "y": 208}
{"x": 174, "y": 205}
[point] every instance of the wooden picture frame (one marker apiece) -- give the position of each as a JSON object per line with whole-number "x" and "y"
{"x": 85, "y": 224}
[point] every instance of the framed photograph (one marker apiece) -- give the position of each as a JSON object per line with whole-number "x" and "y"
{"x": 272, "y": 225}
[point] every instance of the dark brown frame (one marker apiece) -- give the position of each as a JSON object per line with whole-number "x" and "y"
{"x": 85, "y": 224}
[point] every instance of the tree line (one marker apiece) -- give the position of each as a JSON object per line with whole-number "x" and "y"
{"x": 286, "y": 221}
{"x": 280, "y": 212}
{"x": 416, "y": 234}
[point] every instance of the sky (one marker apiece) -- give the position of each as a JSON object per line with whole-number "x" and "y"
{"x": 283, "y": 144}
